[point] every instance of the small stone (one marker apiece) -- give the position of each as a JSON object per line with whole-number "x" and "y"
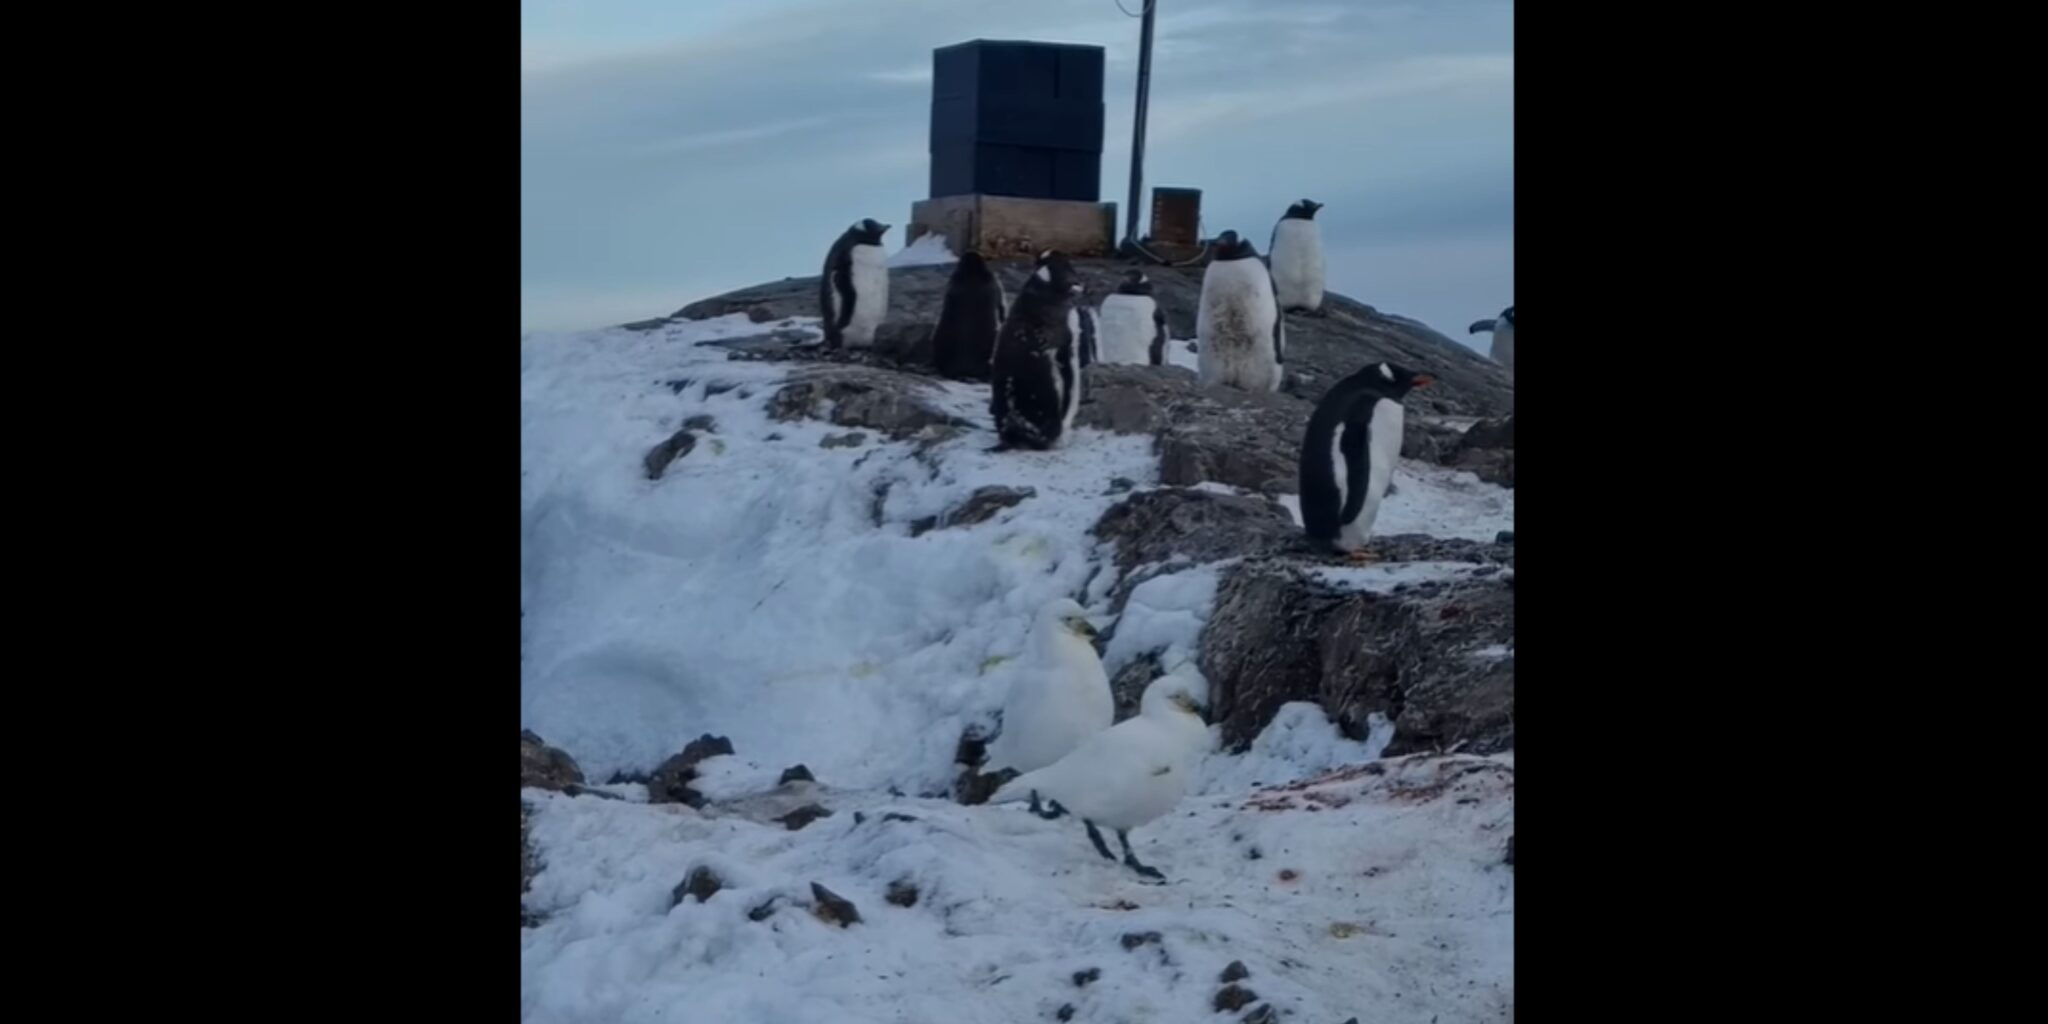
{"x": 1253, "y": 854}
{"x": 1082, "y": 978}
{"x": 1289, "y": 874}
{"x": 1509, "y": 860}
{"x": 804, "y": 815}
{"x": 706, "y": 746}
{"x": 702, "y": 421}
{"x": 799, "y": 773}
{"x": 833, "y": 908}
{"x": 1237, "y": 971}
{"x": 852, "y": 440}
{"x": 859, "y": 818}
{"x": 1232, "y": 998}
{"x": 902, "y": 892}
{"x": 702, "y": 883}
{"x": 545, "y": 767}
{"x": 1121, "y": 484}
{"x": 764, "y": 911}
{"x": 893, "y": 816}
{"x": 1066, "y": 1012}
{"x": 1504, "y": 537}
{"x": 1265, "y": 1015}
{"x": 658, "y": 458}
{"x": 1133, "y": 940}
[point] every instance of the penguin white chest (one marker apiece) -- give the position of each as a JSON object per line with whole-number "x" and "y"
{"x": 1298, "y": 264}
{"x": 870, "y": 272}
{"x": 1383, "y": 448}
{"x": 1125, "y": 329}
{"x": 1234, "y": 327}
{"x": 1503, "y": 351}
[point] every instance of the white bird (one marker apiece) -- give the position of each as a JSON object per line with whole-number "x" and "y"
{"x": 1061, "y": 696}
{"x": 1129, "y": 774}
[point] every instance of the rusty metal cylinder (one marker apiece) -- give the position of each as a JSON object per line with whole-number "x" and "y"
{"x": 1177, "y": 216}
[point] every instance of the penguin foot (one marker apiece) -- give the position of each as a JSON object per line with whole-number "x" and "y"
{"x": 1055, "y": 812}
{"x": 1362, "y": 556}
{"x": 1150, "y": 874}
{"x": 1096, "y": 838}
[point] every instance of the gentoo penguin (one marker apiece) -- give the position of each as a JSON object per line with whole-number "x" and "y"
{"x": 1060, "y": 697}
{"x": 1239, "y": 333}
{"x": 965, "y": 340}
{"x": 854, "y": 292}
{"x": 1035, "y": 384}
{"x": 1503, "y": 328}
{"x": 1348, "y": 455}
{"x": 1127, "y": 775}
{"x": 1132, "y": 324}
{"x": 1296, "y": 252}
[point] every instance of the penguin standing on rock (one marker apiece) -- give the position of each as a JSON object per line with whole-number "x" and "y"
{"x": 1133, "y": 326}
{"x": 1348, "y": 455}
{"x": 1503, "y": 328}
{"x": 853, "y": 294}
{"x": 1296, "y": 252}
{"x": 964, "y": 343}
{"x": 1241, "y": 338}
{"x": 1035, "y": 385}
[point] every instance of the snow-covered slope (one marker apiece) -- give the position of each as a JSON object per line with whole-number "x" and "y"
{"x": 768, "y": 588}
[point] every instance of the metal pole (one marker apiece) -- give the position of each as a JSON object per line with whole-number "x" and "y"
{"x": 1138, "y": 121}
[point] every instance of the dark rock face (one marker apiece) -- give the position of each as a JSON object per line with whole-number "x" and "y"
{"x": 796, "y": 773}
{"x": 1488, "y": 451}
{"x": 1245, "y": 439}
{"x": 1128, "y": 685}
{"x": 833, "y": 908}
{"x": 702, "y": 884}
{"x": 902, "y": 893}
{"x": 1196, "y": 526}
{"x": 545, "y": 767}
{"x": 1232, "y": 998}
{"x": 980, "y": 507}
{"x": 670, "y": 783}
{"x": 1237, "y": 971}
{"x": 657, "y": 460}
{"x": 860, "y": 396}
{"x": 1425, "y": 655}
{"x": 804, "y": 815}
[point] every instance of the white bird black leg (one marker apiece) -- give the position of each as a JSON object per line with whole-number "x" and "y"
{"x": 1096, "y": 838}
{"x": 1049, "y": 815}
{"x": 1131, "y": 859}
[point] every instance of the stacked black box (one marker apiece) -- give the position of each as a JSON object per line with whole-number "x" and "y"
{"x": 1017, "y": 119}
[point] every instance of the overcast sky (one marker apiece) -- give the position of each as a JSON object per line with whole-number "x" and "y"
{"x": 674, "y": 149}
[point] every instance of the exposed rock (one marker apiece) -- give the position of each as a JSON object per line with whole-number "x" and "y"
{"x": 703, "y": 422}
{"x": 527, "y": 867}
{"x": 1065, "y": 1012}
{"x": 1491, "y": 434}
{"x": 894, "y": 816}
{"x": 764, "y": 911}
{"x": 797, "y": 819}
{"x": 702, "y": 884}
{"x": 980, "y": 507}
{"x": 1133, "y": 940}
{"x": 975, "y": 788}
{"x": 1320, "y": 350}
{"x": 860, "y": 396}
{"x": 1232, "y": 998}
{"x": 1264, "y": 1014}
{"x": 679, "y": 444}
{"x": 1237, "y": 971}
{"x": 670, "y": 783}
{"x": 1504, "y": 537}
{"x": 799, "y": 773}
{"x": 852, "y": 440}
{"x": 1245, "y": 439}
{"x": 1083, "y": 978}
{"x": 545, "y": 767}
{"x": 1128, "y": 685}
{"x": 1509, "y": 860}
{"x": 833, "y": 908}
{"x": 902, "y": 892}
{"x": 1195, "y": 526}
{"x": 1278, "y": 635}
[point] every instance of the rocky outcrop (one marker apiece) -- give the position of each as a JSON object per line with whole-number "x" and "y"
{"x": 1195, "y": 526}
{"x": 671, "y": 781}
{"x": 851, "y": 395}
{"x": 545, "y": 767}
{"x": 1246, "y": 439}
{"x": 980, "y": 507}
{"x": 1434, "y": 656}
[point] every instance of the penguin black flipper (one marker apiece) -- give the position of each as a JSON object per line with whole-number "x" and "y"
{"x": 1279, "y": 325}
{"x": 842, "y": 282}
{"x": 829, "y": 288}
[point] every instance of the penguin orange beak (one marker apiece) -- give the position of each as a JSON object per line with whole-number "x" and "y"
{"x": 1423, "y": 381}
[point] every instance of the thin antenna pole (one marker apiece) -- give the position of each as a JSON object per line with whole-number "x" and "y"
{"x": 1138, "y": 122}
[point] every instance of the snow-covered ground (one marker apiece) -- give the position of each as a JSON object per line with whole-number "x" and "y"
{"x": 768, "y": 589}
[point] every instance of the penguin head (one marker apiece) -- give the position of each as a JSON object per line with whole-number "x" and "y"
{"x": 1056, "y": 273}
{"x": 1304, "y": 210}
{"x": 1393, "y": 380}
{"x": 1067, "y": 615}
{"x": 1507, "y": 316}
{"x": 1230, "y": 247}
{"x": 869, "y": 231}
{"x": 971, "y": 265}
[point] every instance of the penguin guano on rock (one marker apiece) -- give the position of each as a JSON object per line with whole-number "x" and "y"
{"x": 1035, "y": 385}
{"x": 1503, "y": 328}
{"x": 964, "y": 343}
{"x": 1296, "y": 255}
{"x": 1132, "y": 323}
{"x": 853, "y": 294}
{"x": 1240, "y": 335}
{"x": 1348, "y": 455}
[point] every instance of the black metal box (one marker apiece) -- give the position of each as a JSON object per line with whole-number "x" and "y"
{"x": 1017, "y": 119}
